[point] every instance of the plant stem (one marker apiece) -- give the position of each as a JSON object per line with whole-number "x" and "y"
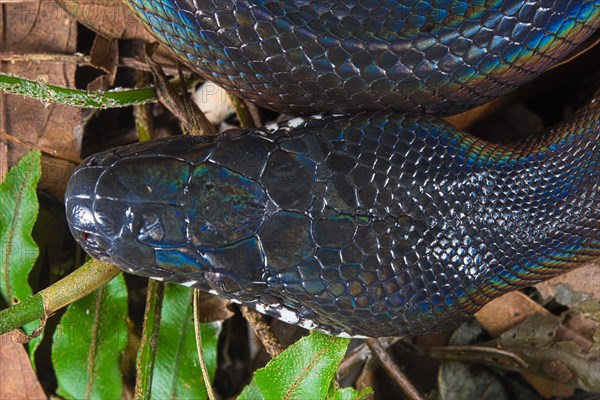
{"x": 148, "y": 347}
{"x": 81, "y": 282}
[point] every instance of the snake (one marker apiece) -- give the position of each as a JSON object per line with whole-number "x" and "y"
{"x": 364, "y": 215}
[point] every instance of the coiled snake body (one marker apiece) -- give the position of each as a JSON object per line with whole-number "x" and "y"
{"x": 375, "y": 222}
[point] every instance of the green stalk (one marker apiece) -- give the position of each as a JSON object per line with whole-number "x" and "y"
{"x": 149, "y": 343}
{"x": 81, "y": 282}
{"x": 73, "y": 97}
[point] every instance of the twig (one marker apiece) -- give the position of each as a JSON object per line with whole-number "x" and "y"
{"x": 246, "y": 119}
{"x": 367, "y": 375}
{"x": 263, "y": 332}
{"x": 254, "y": 112}
{"x": 149, "y": 343}
{"x": 409, "y": 390}
{"x": 191, "y": 118}
{"x": 78, "y": 59}
{"x": 207, "y": 383}
{"x": 353, "y": 359}
{"x": 141, "y": 112}
{"x": 360, "y": 354}
{"x": 473, "y": 354}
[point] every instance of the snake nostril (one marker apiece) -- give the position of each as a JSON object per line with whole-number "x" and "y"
{"x": 92, "y": 162}
{"x": 89, "y": 239}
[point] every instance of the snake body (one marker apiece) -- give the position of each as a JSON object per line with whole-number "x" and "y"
{"x": 372, "y": 223}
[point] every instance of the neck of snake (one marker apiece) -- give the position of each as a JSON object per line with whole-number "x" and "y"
{"x": 552, "y": 227}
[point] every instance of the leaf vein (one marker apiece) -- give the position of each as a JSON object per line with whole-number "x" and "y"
{"x": 182, "y": 331}
{"x": 21, "y": 190}
{"x": 94, "y": 342}
{"x": 305, "y": 371}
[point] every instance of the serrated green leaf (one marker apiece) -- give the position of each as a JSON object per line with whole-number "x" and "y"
{"x": 305, "y": 370}
{"x": 177, "y": 371}
{"x": 89, "y": 343}
{"x": 18, "y": 212}
{"x": 18, "y": 251}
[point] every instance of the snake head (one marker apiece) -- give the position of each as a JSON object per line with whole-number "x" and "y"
{"x": 182, "y": 219}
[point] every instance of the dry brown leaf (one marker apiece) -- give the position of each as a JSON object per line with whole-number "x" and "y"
{"x": 465, "y": 119}
{"x": 584, "y": 280}
{"x": 558, "y": 349}
{"x": 19, "y": 381}
{"x": 576, "y": 331}
{"x": 114, "y": 20}
{"x": 105, "y": 57}
{"x": 33, "y": 28}
{"x": 513, "y": 308}
{"x": 507, "y": 311}
{"x": 548, "y": 388}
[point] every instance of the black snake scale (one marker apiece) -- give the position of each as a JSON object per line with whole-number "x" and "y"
{"x": 315, "y": 56}
{"x": 375, "y": 223}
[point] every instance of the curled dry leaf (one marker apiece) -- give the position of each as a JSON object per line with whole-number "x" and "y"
{"x": 18, "y": 378}
{"x": 462, "y": 380}
{"x": 507, "y": 311}
{"x": 105, "y": 57}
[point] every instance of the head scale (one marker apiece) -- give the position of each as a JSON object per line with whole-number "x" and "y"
{"x": 172, "y": 218}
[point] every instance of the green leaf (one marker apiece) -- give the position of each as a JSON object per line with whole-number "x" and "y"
{"x": 177, "y": 371}
{"x": 305, "y": 370}
{"x": 18, "y": 251}
{"x": 18, "y": 212}
{"x": 89, "y": 342}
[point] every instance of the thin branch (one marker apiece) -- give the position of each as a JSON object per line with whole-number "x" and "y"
{"x": 147, "y": 353}
{"x": 409, "y": 390}
{"x": 481, "y": 354}
{"x": 205, "y": 375}
{"x": 263, "y": 332}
